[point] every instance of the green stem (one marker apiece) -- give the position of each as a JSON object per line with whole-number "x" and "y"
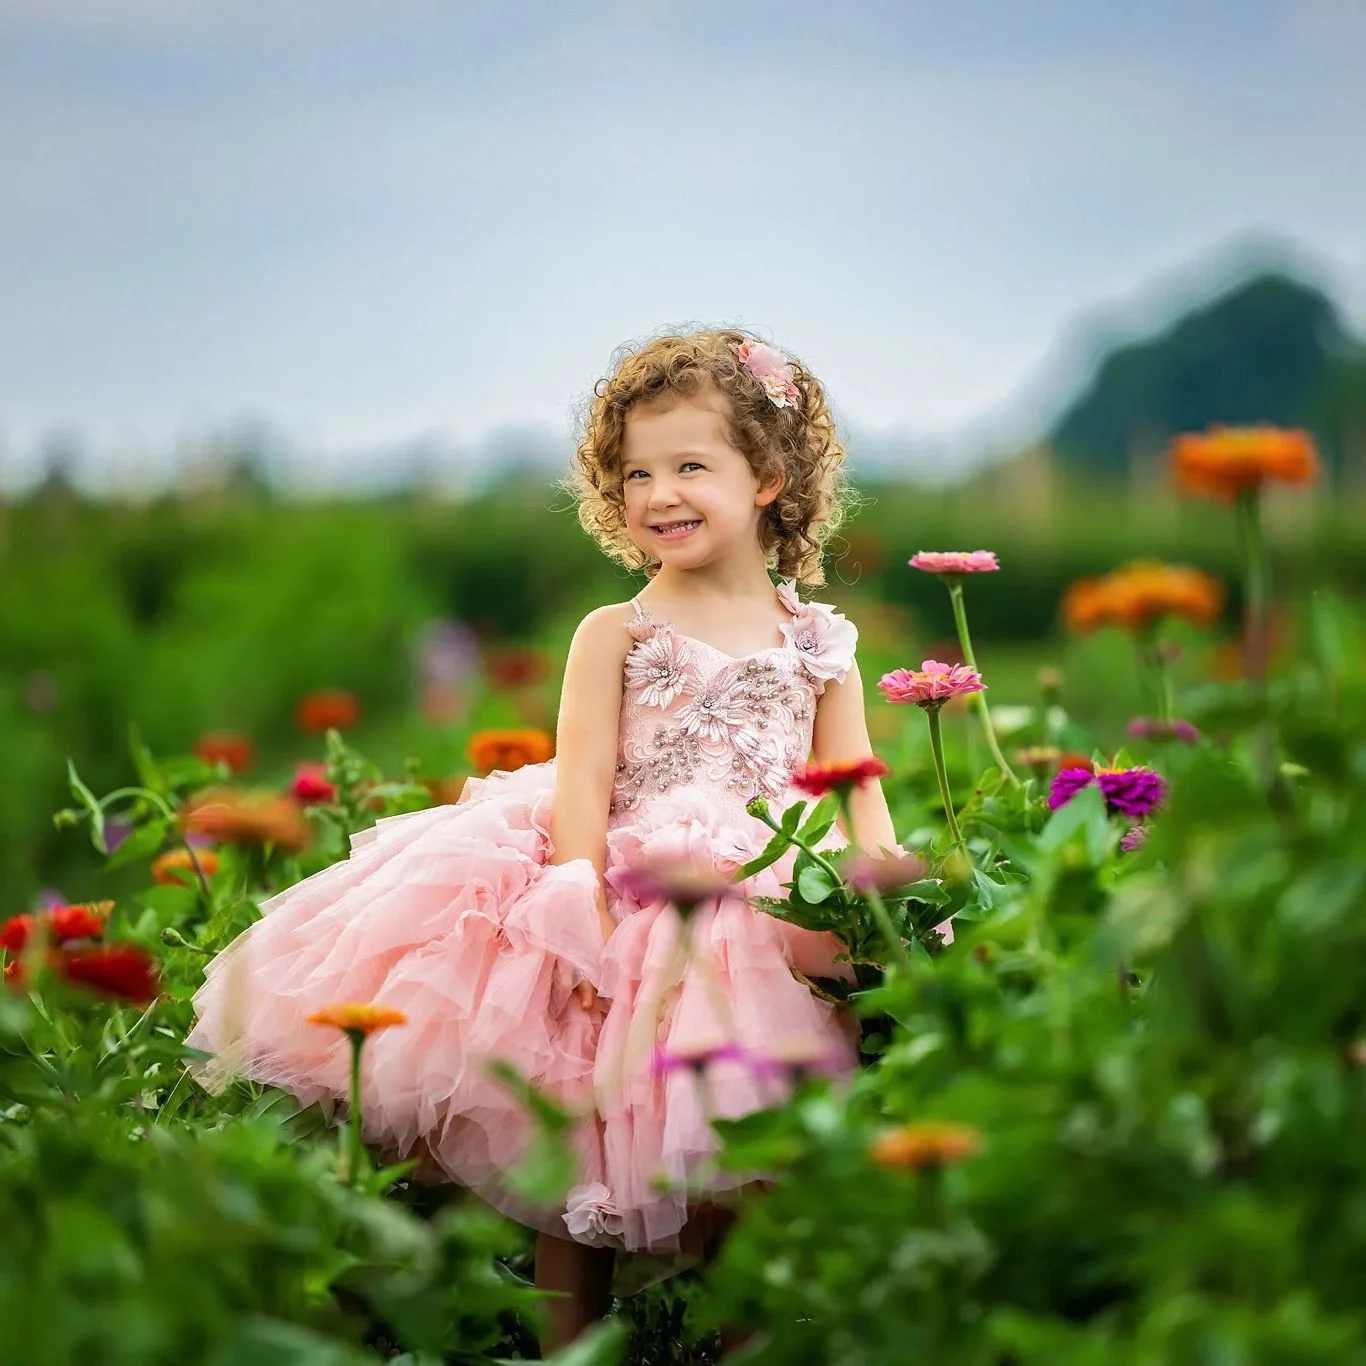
{"x": 798, "y": 843}
{"x": 357, "y": 1145}
{"x": 1256, "y": 587}
{"x": 875, "y": 901}
{"x": 978, "y": 700}
{"x": 937, "y": 746}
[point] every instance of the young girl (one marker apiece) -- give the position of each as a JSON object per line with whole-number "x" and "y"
{"x": 504, "y": 926}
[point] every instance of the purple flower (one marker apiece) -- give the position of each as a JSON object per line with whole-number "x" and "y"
{"x": 696, "y": 1057}
{"x": 1067, "y": 782}
{"x": 1134, "y": 838}
{"x": 1133, "y": 792}
{"x": 1154, "y": 728}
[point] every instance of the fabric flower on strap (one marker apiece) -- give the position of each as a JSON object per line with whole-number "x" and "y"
{"x": 824, "y": 638}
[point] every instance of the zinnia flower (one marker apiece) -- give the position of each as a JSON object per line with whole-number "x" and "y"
{"x": 884, "y": 872}
{"x": 358, "y": 1019}
{"x": 931, "y": 685}
{"x": 955, "y": 561}
{"x": 686, "y": 885}
{"x": 696, "y": 1058}
{"x": 62, "y": 924}
{"x": 328, "y": 709}
{"x": 1133, "y": 792}
{"x": 120, "y": 970}
{"x": 841, "y": 776}
{"x": 1229, "y": 461}
{"x": 1041, "y": 758}
{"x": 1155, "y": 728}
{"x": 925, "y": 1143}
{"x": 175, "y": 868}
{"x": 236, "y": 752}
{"x": 1134, "y": 838}
{"x": 232, "y": 817}
{"x": 516, "y": 666}
{"x": 1137, "y": 596}
{"x": 508, "y": 750}
{"x": 310, "y": 785}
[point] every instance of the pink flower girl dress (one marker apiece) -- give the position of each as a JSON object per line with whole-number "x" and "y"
{"x": 455, "y": 916}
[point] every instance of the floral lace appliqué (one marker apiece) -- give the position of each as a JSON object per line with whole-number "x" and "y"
{"x": 736, "y": 727}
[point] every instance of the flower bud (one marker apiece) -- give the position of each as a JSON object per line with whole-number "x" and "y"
{"x": 757, "y": 807}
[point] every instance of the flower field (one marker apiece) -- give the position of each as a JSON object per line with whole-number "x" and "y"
{"x": 1112, "y": 1106}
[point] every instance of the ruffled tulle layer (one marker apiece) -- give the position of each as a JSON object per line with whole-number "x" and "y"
{"x": 455, "y": 916}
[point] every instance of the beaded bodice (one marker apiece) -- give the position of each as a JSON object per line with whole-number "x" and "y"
{"x": 694, "y": 716}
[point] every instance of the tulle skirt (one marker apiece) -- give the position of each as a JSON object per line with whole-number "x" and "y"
{"x": 456, "y": 916}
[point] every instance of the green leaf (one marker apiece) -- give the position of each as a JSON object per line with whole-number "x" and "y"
{"x": 930, "y": 890}
{"x": 792, "y": 818}
{"x": 148, "y": 773}
{"x": 813, "y": 884}
{"x": 87, "y": 799}
{"x": 1086, "y": 809}
{"x": 140, "y": 843}
{"x": 772, "y": 852}
{"x": 821, "y": 819}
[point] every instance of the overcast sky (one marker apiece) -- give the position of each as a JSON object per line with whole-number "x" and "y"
{"x": 367, "y": 222}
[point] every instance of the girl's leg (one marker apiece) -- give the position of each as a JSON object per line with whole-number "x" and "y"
{"x": 583, "y": 1277}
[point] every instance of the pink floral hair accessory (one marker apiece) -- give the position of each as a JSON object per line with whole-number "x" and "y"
{"x": 771, "y": 370}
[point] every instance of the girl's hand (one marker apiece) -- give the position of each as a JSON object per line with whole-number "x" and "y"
{"x": 586, "y": 994}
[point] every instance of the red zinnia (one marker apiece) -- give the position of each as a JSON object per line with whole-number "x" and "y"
{"x": 841, "y": 776}
{"x": 121, "y": 970}
{"x": 226, "y": 747}
{"x": 63, "y": 923}
{"x": 310, "y": 785}
{"x": 328, "y": 709}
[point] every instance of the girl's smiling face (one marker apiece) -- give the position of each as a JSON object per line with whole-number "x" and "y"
{"x": 690, "y": 497}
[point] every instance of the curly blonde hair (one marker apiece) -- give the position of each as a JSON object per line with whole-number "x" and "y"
{"x": 800, "y": 441}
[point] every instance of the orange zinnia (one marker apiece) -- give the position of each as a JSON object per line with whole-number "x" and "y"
{"x": 357, "y": 1018}
{"x": 175, "y": 868}
{"x": 1138, "y": 596}
{"x": 928, "y": 1143}
{"x": 1229, "y": 461}
{"x": 233, "y": 817}
{"x": 328, "y": 709}
{"x": 507, "y": 750}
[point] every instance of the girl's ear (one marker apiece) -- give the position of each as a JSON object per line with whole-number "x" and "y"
{"x": 769, "y": 489}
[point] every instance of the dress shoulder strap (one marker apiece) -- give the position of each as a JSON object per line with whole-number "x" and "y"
{"x": 640, "y": 624}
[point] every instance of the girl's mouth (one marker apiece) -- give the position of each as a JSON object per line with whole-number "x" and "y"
{"x": 675, "y": 531}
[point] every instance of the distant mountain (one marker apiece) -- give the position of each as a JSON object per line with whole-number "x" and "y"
{"x": 1272, "y": 349}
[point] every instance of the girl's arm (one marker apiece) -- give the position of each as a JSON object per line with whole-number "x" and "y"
{"x": 586, "y": 742}
{"x": 841, "y": 732}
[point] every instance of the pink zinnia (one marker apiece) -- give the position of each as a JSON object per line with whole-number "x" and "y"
{"x": 687, "y": 885}
{"x": 955, "y": 561}
{"x": 931, "y": 685}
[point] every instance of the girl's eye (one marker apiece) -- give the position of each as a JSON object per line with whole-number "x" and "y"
{"x": 633, "y": 473}
{"x": 693, "y": 465}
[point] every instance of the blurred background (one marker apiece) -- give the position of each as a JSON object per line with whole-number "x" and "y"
{"x": 300, "y": 303}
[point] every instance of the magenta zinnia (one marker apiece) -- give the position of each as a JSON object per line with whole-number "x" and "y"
{"x": 1155, "y": 728}
{"x": 1133, "y": 792}
{"x": 955, "y": 561}
{"x": 931, "y": 685}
